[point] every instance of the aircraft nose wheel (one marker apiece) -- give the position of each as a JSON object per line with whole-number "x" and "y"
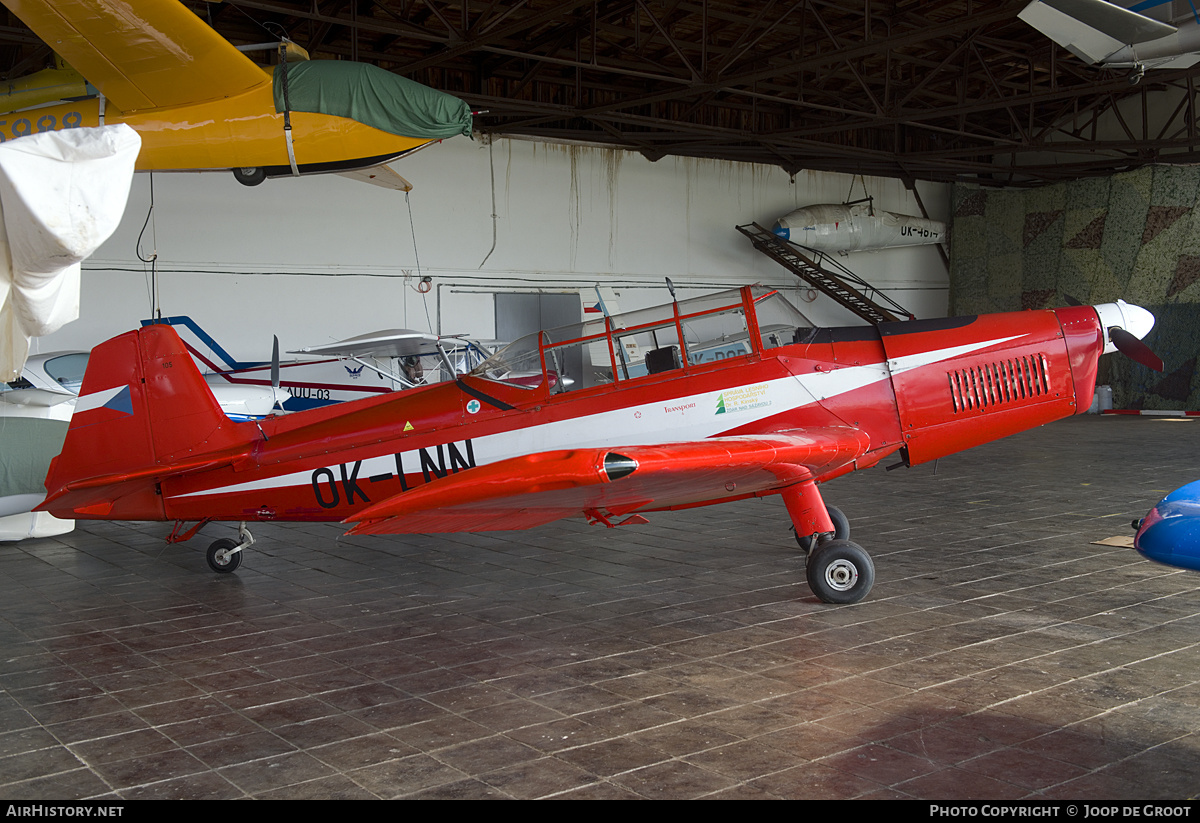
{"x": 221, "y": 557}
{"x": 840, "y": 572}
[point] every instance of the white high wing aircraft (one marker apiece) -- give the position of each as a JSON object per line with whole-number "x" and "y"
{"x": 1114, "y": 37}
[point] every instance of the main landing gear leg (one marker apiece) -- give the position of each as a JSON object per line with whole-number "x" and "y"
{"x": 838, "y": 571}
{"x": 224, "y": 555}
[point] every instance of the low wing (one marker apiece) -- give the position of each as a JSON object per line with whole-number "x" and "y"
{"x": 530, "y": 490}
{"x": 143, "y": 55}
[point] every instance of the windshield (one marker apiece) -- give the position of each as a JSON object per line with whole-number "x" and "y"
{"x": 67, "y": 370}
{"x": 519, "y": 363}
{"x": 779, "y": 322}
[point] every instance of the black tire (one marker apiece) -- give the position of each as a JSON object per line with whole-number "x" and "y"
{"x": 840, "y": 572}
{"x": 841, "y": 530}
{"x": 250, "y": 176}
{"x": 219, "y": 558}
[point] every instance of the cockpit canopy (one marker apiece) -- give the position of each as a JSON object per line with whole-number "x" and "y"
{"x": 683, "y": 335}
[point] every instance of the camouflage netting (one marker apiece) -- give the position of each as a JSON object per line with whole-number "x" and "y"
{"x": 1134, "y": 236}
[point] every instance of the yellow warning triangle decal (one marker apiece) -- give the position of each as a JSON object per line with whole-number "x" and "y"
{"x": 408, "y": 426}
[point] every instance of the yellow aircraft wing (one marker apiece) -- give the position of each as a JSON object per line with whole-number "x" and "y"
{"x": 141, "y": 54}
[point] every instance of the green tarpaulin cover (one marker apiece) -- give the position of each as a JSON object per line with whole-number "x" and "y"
{"x": 29, "y": 445}
{"x": 373, "y": 96}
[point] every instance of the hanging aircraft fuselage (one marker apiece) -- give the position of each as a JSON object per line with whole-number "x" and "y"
{"x": 233, "y": 132}
{"x": 833, "y": 227}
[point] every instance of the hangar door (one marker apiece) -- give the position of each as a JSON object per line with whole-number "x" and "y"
{"x": 520, "y": 314}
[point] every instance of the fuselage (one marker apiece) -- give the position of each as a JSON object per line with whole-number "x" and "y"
{"x": 922, "y": 389}
{"x": 1170, "y": 532}
{"x": 232, "y": 132}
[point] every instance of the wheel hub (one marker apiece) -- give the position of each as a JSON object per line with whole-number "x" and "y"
{"x": 841, "y": 575}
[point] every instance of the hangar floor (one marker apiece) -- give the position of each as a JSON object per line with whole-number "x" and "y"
{"x": 1001, "y": 655}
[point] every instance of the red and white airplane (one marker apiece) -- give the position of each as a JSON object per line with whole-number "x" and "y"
{"x": 709, "y": 400}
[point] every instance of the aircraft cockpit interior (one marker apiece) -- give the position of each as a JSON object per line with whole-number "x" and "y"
{"x": 678, "y": 335}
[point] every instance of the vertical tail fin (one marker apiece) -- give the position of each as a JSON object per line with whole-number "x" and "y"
{"x": 143, "y": 409}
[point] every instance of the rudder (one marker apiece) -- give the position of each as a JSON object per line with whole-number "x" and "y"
{"x": 143, "y": 408}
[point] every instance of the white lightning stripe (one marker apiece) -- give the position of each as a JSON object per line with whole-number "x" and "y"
{"x": 97, "y": 399}
{"x": 596, "y": 430}
{"x": 915, "y": 361}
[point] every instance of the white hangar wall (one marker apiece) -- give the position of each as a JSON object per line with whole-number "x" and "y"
{"x": 321, "y": 258}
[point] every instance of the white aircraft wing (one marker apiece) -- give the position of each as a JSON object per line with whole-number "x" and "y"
{"x": 1092, "y": 29}
{"x": 387, "y": 343}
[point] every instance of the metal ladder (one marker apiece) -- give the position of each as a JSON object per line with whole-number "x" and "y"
{"x": 845, "y": 287}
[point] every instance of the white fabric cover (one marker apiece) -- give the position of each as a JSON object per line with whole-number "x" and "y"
{"x": 62, "y": 194}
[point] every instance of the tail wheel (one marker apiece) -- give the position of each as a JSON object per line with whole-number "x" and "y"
{"x": 841, "y": 530}
{"x": 221, "y": 557}
{"x": 840, "y": 572}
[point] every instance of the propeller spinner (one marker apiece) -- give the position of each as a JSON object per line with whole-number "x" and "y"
{"x": 1125, "y": 325}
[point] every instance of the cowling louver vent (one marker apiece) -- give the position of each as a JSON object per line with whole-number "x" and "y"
{"x": 1004, "y": 381}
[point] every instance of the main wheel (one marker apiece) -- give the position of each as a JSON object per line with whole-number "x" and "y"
{"x": 841, "y": 530}
{"x": 251, "y": 176}
{"x": 840, "y": 572}
{"x": 221, "y": 558}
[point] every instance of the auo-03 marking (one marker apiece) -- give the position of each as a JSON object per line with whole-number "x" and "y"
{"x": 587, "y": 431}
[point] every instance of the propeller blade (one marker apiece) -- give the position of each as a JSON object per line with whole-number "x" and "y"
{"x": 1134, "y": 349}
{"x": 275, "y": 392}
{"x": 1072, "y": 301}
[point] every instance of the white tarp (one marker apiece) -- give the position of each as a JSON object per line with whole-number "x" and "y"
{"x": 62, "y": 194}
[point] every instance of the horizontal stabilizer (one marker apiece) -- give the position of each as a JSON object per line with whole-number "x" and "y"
{"x": 526, "y": 491}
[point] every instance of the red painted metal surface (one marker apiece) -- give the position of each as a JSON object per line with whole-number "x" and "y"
{"x": 479, "y": 454}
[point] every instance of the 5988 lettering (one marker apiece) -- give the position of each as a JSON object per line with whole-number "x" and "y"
{"x": 25, "y": 126}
